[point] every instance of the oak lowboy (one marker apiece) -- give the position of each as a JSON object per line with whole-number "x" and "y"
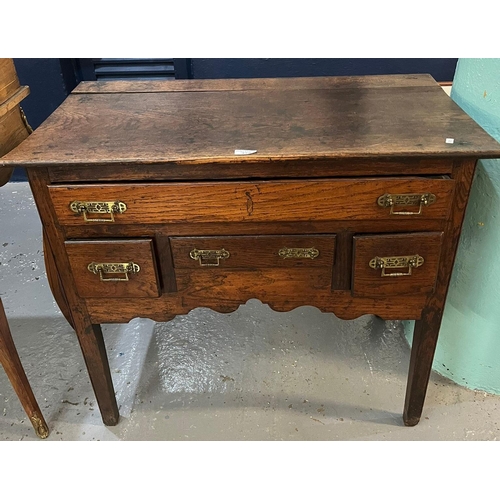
{"x": 352, "y": 202}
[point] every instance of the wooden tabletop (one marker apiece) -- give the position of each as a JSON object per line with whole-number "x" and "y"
{"x": 205, "y": 121}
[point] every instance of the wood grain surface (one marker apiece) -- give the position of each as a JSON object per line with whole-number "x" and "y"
{"x": 426, "y": 331}
{"x": 9, "y": 359}
{"x": 9, "y": 81}
{"x": 141, "y": 284}
{"x": 342, "y": 119}
{"x": 326, "y": 150}
{"x": 286, "y": 200}
{"x": 233, "y": 84}
{"x": 252, "y": 169}
{"x": 89, "y": 334}
{"x": 256, "y": 252}
{"x": 369, "y": 282}
{"x": 195, "y": 294}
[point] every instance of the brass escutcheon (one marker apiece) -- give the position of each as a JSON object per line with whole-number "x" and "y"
{"x": 98, "y": 207}
{"x": 103, "y": 268}
{"x": 394, "y": 200}
{"x": 209, "y": 257}
{"x": 400, "y": 261}
{"x": 298, "y": 253}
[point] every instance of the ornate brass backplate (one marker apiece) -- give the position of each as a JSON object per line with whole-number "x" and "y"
{"x": 401, "y": 261}
{"x": 298, "y": 253}
{"x": 110, "y": 268}
{"x": 209, "y": 257}
{"x": 394, "y": 200}
{"x": 98, "y": 207}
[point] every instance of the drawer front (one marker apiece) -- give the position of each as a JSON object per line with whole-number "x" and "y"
{"x": 111, "y": 269}
{"x": 392, "y": 265}
{"x": 253, "y": 252}
{"x": 320, "y": 200}
{"x": 260, "y": 266}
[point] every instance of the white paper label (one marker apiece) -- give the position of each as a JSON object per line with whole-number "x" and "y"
{"x": 449, "y": 140}
{"x": 244, "y": 151}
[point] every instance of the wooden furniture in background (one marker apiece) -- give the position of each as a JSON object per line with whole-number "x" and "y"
{"x": 13, "y": 130}
{"x": 349, "y": 197}
{"x": 13, "y": 125}
{"x": 11, "y": 363}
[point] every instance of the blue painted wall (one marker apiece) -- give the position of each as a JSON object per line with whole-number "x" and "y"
{"x": 440, "y": 69}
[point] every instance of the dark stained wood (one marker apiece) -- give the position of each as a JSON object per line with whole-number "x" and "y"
{"x": 89, "y": 334}
{"x": 248, "y": 169}
{"x": 140, "y": 252}
{"x": 55, "y": 282}
{"x": 285, "y": 200}
{"x": 255, "y": 252}
{"x": 426, "y": 329}
{"x": 166, "y": 269}
{"x": 348, "y": 119}
{"x": 327, "y": 149}
{"x": 9, "y": 359}
{"x": 232, "y": 84}
{"x": 342, "y": 267}
{"x": 195, "y": 294}
{"x": 401, "y": 225}
{"x": 369, "y": 282}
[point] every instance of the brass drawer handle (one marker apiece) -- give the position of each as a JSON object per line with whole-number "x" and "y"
{"x": 409, "y": 261}
{"x": 394, "y": 200}
{"x": 98, "y": 207}
{"x": 103, "y": 268}
{"x": 209, "y": 257}
{"x": 298, "y": 253}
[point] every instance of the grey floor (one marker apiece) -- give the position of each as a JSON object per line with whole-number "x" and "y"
{"x": 250, "y": 375}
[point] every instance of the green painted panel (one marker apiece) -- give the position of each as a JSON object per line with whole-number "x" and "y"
{"x": 468, "y": 350}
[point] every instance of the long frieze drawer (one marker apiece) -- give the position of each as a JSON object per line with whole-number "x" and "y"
{"x": 254, "y": 252}
{"x": 395, "y": 264}
{"x": 111, "y": 269}
{"x": 321, "y": 200}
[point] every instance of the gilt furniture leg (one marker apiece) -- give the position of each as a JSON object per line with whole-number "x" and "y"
{"x": 9, "y": 359}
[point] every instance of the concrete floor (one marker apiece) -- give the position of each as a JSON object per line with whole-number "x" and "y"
{"x": 250, "y": 375}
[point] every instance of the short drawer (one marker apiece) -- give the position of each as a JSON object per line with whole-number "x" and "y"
{"x": 110, "y": 269}
{"x": 298, "y": 200}
{"x": 261, "y": 266}
{"x": 253, "y": 252}
{"x": 396, "y": 264}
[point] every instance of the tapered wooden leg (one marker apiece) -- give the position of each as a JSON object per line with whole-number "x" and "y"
{"x": 425, "y": 337}
{"x": 426, "y": 331}
{"x": 72, "y": 305}
{"x": 9, "y": 359}
{"x": 94, "y": 353}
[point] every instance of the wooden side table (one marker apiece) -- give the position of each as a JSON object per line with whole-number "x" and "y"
{"x": 14, "y": 129}
{"x": 347, "y": 194}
